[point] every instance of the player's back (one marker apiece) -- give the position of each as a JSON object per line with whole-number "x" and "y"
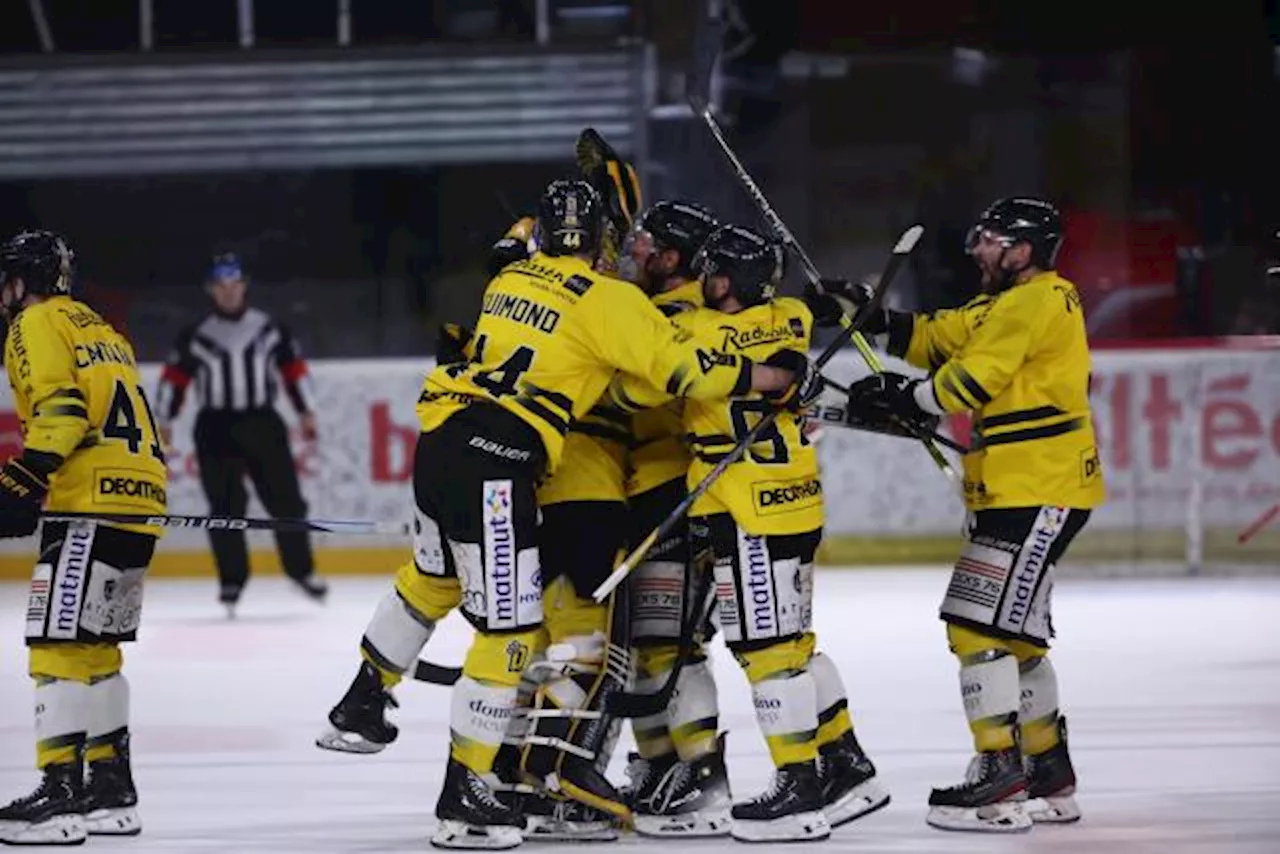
{"x": 774, "y": 488}
{"x": 552, "y": 331}
{"x": 67, "y": 367}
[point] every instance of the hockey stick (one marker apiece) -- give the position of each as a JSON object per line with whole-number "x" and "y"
{"x": 626, "y": 704}
{"x": 436, "y": 674}
{"x": 1258, "y": 524}
{"x": 703, "y": 111}
{"x": 906, "y": 242}
{"x": 232, "y": 523}
{"x": 834, "y": 416}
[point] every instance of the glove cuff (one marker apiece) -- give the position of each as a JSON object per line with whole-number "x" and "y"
{"x": 900, "y": 324}
{"x": 20, "y": 480}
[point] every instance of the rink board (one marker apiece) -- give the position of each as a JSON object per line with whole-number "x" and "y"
{"x": 1189, "y": 438}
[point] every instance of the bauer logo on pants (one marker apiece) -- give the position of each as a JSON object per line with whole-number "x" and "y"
{"x": 499, "y": 554}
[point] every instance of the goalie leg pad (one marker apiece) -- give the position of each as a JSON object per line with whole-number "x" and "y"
{"x": 988, "y": 686}
{"x": 571, "y": 737}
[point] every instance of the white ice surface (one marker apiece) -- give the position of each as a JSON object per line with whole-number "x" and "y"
{"x": 1172, "y": 689}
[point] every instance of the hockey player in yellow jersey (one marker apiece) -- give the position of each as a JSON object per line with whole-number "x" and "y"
{"x": 693, "y": 799}
{"x": 1017, "y": 357}
{"x": 762, "y": 522}
{"x": 89, "y": 445}
{"x": 551, "y": 334}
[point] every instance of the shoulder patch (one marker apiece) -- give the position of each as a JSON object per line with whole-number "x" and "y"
{"x": 797, "y": 327}
{"x": 671, "y": 309}
{"x": 578, "y": 284}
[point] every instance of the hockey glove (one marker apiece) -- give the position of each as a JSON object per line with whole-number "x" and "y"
{"x": 513, "y": 247}
{"x": 843, "y": 298}
{"x": 883, "y": 396}
{"x": 22, "y": 492}
{"x": 451, "y": 345}
{"x": 881, "y": 421}
{"x": 806, "y": 386}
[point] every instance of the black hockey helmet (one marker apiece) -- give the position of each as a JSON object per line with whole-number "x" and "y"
{"x": 43, "y": 261}
{"x": 570, "y": 219}
{"x": 752, "y": 262}
{"x": 682, "y": 226}
{"x": 1023, "y": 219}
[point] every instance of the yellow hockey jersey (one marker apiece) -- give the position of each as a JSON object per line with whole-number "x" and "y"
{"x": 658, "y": 453}
{"x": 774, "y": 488}
{"x": 1019, "y": 360}
{"x": 552, "y": 331}
{"x": 595, "y": 456}
{"x": 76, "y": 391}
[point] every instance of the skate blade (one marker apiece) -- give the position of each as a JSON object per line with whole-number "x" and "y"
{"x": 1004, "y": 817}
{"x": 460, "y": 836}
{"x": 801, "y": 827}
{"x": 1053, "y": 810}
{"x": 59, "y": 830}
{"x": 703, "y": 824}
{"x": 541, "y": 829}
{"x": 121, "y": 821}
{"x": 347, "y": 742}
{"x": 863, "y": 799}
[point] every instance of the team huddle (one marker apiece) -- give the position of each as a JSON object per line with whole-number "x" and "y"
{"x": 620, "y": 355}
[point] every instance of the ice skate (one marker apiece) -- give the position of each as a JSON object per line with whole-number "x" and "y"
{"x": 790, "y": 810}
{"x": 991, "y": 800}
{"x": 229, "y": 597}
{"x": 110, "y": 799}
{"x": 313, "y": 587}
{"x": 1052, "y": 783}
{"x": 358, "y": 722}
{"x": 685, "y": 799}
{"x": 471, "y": 817}
{"x": 553, "y": 819}
{"x": 847, "y": 777}
{"x": 52, "y": 814}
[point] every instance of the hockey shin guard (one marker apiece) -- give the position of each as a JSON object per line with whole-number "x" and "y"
{"x": 988, "y": 686}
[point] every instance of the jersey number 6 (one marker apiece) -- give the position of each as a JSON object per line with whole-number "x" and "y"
{"x": 739, "y": 410}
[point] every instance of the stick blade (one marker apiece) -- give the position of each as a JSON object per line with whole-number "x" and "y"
{"x": 908, "y": 240}
{"x": 624, "y": 705}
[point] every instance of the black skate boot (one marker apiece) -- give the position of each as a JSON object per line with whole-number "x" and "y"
{"x": 52, "y": 814}
{"x": 790, "y": 810}
{"x": 991, "y": 800}
{"x": 229, "y": 596}
{"x": 847, "y": 777}
{"x": 1052, "y": 783}
{"x": 110, "y": 800}
{"x": 643, "y": 776}
{"x": 359, "y": 723}
{"x": 687, "y": 799}
{"x": 470, "y": 816}
{"x": 313, "y": 586}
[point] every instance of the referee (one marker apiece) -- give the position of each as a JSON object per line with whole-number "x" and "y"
{"x": 237, "y": 358}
